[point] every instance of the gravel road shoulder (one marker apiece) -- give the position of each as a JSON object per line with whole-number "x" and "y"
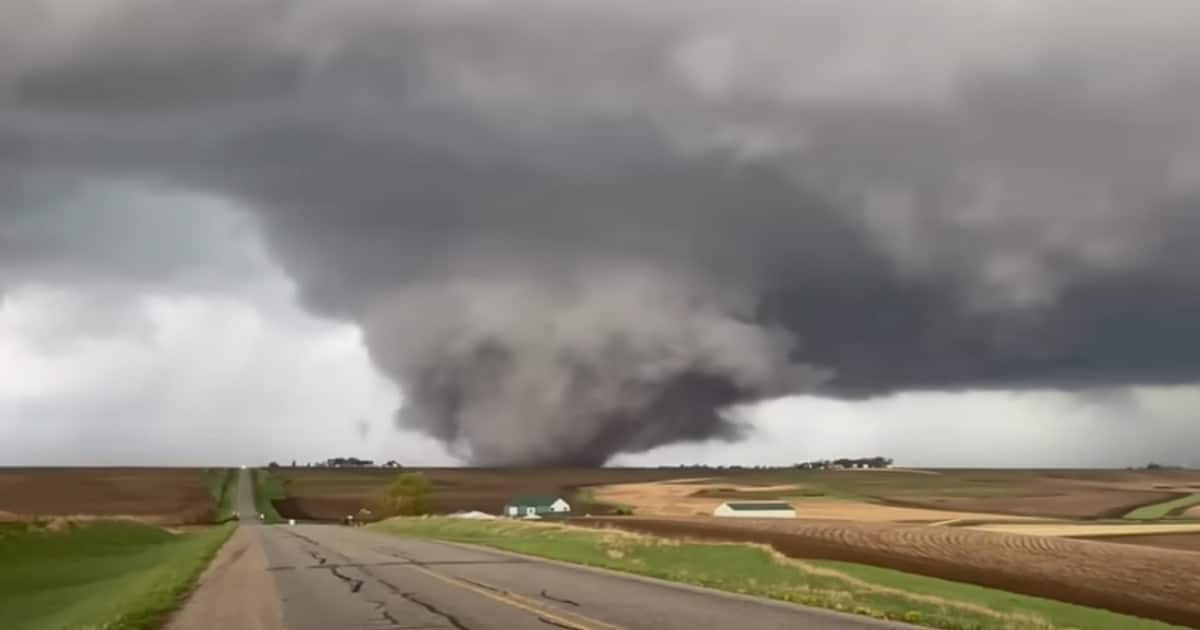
{"x": 236, "y": 591}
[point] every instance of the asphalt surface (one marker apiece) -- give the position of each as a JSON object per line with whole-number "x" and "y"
{"x": 331, "y": 577}
{"x": 245, "y": 499}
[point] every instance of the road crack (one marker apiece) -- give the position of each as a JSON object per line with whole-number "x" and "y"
{"x": 451, "y": 619}
{"x": 384, "y": 613}
{"x": 355, "y": 584}
{"x": 559, "y": 599}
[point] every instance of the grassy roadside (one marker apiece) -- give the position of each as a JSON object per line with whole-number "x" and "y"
{"x": 758, "y": 571}
{"x": 111, "y": 576}
{"x": 267, "y": 488}
{"x": 222, "y": 485}
{"x": 1162, "y": 510}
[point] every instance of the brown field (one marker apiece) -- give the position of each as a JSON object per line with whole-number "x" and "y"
{"x": 166, "y": 496}
{"x": 1182, "y": 542}
{"x": 1051, "y": 502}
{"x": 1143, "y": 581}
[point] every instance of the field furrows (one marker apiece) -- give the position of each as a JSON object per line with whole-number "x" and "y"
{"x": 1149, "y": 582}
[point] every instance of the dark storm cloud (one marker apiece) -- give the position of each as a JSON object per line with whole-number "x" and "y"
{"x": 570, "y": 230}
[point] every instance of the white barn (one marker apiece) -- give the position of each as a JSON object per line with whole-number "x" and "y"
{"x": 755, "y": 509}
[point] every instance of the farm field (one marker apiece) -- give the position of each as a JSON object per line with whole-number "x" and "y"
{"x": 1182, "y": 542}
{"x": 699, "y": 499}
{"x": 1178, "y": 505}
{"x": 756, "y": 570}
{"x": 161, "y": 496}
{"x": 331, "y": 493}
{"x": 115, "y": 575}
{"x": 1091, "y": 530}
{"x": 1141, "y": 581}
{"x": 936, "y": 495}
{"x": 882, "y": 495}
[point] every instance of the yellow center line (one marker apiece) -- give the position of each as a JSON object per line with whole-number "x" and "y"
{"x": 570, "y": 620}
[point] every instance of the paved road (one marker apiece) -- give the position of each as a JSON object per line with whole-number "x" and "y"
{"x": 245, "y": 498}
{"x": 330, "y": 577}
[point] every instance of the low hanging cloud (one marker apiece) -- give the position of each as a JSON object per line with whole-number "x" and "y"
{"x": 570, "y": 230}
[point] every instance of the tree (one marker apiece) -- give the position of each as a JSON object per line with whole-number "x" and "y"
{"x": 273, "y": 465}
{"x": 409, "y": 494}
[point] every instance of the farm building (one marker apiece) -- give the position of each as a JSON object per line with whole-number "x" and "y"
{"x": 755, "y": 509}
{"x": 537, "y": 507}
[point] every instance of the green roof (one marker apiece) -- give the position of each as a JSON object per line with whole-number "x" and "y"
{"x": 533, "y": 501}
{"x": 754, "y": 507}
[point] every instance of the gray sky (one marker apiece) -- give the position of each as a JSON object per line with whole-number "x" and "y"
{"x": 956, "y": 234}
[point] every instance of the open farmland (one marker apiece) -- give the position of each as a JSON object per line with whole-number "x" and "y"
{"x": 1182, "y": 542}
{"x": 911, "y": 495}
{"x": 896, "y": 495}
{"x": 1177, "y": 506}
{"x": 692, "y": 499}
{"x": 1141, "y": 581}
{"x": 163, "y": 496}
{"x": 1066, "y": 529}
{"x": 1053, "y": 502}
{"x": 331, "y": 493}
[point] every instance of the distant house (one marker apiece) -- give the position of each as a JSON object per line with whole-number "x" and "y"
{"x": 537, "y": 507}
{"x": 755, "y": 509}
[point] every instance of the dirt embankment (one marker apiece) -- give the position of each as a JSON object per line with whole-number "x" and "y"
{"x": 1142, "y": 581}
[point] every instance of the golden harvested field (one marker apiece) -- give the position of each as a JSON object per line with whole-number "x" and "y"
{"x": 163, "y": 496}
{"x": 1144, "y": 581}
{"x": 680, "y": 498}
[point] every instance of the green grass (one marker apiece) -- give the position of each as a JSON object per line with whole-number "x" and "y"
{"x": 864, "y": 590}
{"x": 222, "y": 485}
{"x": 1158, "y": 511}
{"x": 111, "y": 576}
{"x": 267, "y": 487}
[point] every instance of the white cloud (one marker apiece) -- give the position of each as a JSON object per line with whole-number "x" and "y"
{"x": 158, "y": 375}
{"x": 1122, "y": 427}
{"x": 213, "y": 380}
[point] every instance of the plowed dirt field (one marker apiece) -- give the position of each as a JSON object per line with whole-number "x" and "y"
{"x": 163, "y": 496}
{"x": 1144, "y": 581}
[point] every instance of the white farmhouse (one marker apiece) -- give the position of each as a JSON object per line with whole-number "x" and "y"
{"x": 537, "y": 507}
{"x": 755, "y": 509}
